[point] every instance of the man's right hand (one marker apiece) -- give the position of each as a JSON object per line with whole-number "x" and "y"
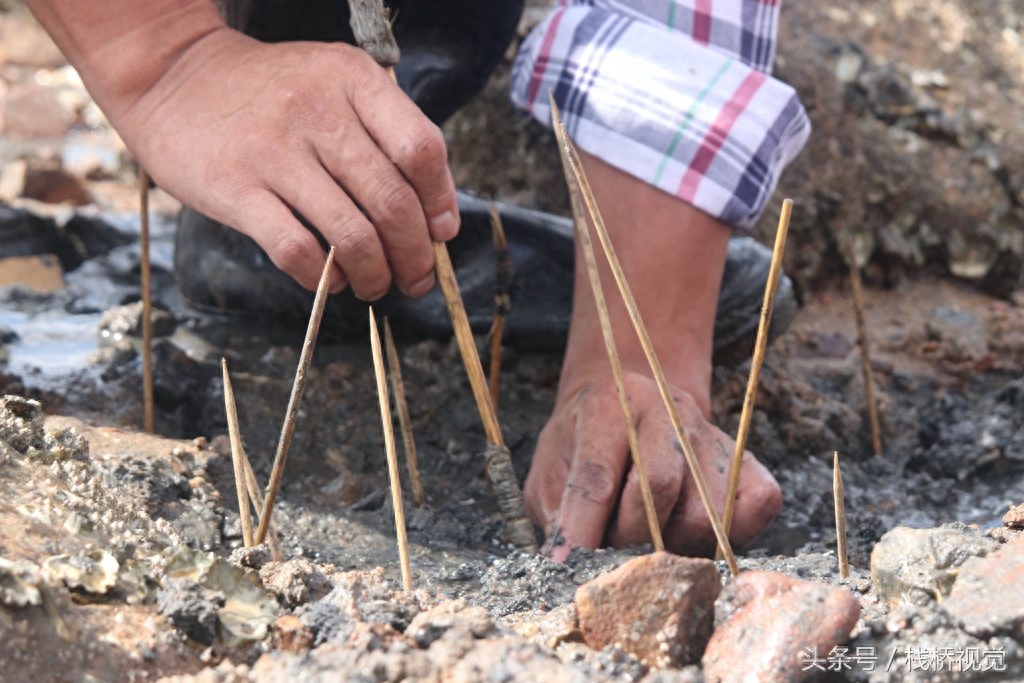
{"x": 248, "y": 132}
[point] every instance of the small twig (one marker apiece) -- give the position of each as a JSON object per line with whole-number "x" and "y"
{"x": 837, "y": 492}
{"x": 236, "y": 455}
{"x": 571, "y": 157}
{"x": 653, "y": 525}
{"x": 298, "y": 386}
{"x": 147, "y": 304}
{"x": 404, "y": 421}
{"x": 389, "y": 449}
{"x": 502, "y": 300}
{"x": 865, "y": 354}
{"x": 760, "y": 346}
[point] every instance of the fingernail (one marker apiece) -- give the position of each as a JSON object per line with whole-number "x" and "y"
{"x": 445, "y": 226}
{"x": 422, "y": 287}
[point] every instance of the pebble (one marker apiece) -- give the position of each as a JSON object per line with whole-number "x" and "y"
{"x": 658, "y": 607}
{"x": 1014, "y": 518}
{"x": 768, "y": 620}
{"x": 988, "y": 596}
{"x": 919, "y": 566}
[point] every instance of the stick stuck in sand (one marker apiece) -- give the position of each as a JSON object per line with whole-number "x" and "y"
{"x": 389, "y": 449}
{"x": 760, "y": 346}
{"x": 404, "y": 421}
{"x": 502, "y": 300}
{"x": 570, "y": 157}
{"x": 235, "y": 438}
{"x": 865, "y": 354}
{"x": 147, "y": 304}
{"x": 298, "y": 386}
{"x": 837, "y": 494}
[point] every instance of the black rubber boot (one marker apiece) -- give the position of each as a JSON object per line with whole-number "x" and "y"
{"x": 449, "y": 47}
{"x": 220, "y": 269}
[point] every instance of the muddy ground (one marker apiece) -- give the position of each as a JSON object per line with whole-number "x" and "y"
{"x": 917, "y": 150}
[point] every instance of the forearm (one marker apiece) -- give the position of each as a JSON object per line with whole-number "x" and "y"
{"x": 121, "y": 47}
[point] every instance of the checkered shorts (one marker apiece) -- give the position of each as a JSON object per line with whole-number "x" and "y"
{"x": 674, "y": 92}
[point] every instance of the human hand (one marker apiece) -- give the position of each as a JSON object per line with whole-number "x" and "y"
{"x": 247, "y": 132}
{"x": 584, "y": 492}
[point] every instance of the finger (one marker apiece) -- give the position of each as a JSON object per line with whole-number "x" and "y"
{"x": 688, "y": 529}
{"x": 664, "y": 468}
{"x": 291, "y": 247}
{"x": 595, "y": 480}
{"x": 414, "y": 144}
{"x": 358, "y": 249}
{"x": 391, "y": 204}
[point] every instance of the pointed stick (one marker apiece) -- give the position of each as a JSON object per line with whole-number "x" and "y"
{"x": 235, "y": 438}
{"x": 389, "y": 449}
{"x": 498, "y": 459}
{"x": 760, "y": 345}
{"x": 653, "y": 525}
{"x": 256, "y": 497}
{"x": 404, "y": 421}
{"x": 298, "y": 386}
{"x": 865, "y": 354}
{"x": 147, "y": 304}
{"x": 570, "y": 155}
{"x": 502, "y": 302}
{"x": 837, "y": 493}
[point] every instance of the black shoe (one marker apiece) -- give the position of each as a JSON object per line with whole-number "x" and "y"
{"x": 220, "y": 269}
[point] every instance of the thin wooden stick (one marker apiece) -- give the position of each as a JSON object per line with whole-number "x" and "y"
{"x": 389, "y": 449}
{"x": 404, "y": 421}
{"x": 572, "y": 158}
{"x": 837, "y": 493}
{"x": 256, "y": 497}
{"x": 653, "y": 526}
{"x": 865, "y": 355}
{"x": 298, "y": 386}
{"x": 498, "y": 459}
{"x": 760, "y": 346}
{"x": 147, "y": 304}
{"x": 502, "y": 301}
{"x": 236, "y": 455}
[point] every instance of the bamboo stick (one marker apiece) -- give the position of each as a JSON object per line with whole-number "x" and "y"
{"x": 570, "y": 155}
{"x": 760, "y": 346}
{"x": 389, "y": 449}
{"x": 148, "y": 420}
{"x": 837, "y": 494}
{"x": 235, "y": 439}
{"x": 579, "y": 217}
{"x": 502, "y": 301}
{"x": 295, "y": 399}
{"x": 865, "y": 355}
{"x": 256, "y": 497}
{"x": 404, "y": 421}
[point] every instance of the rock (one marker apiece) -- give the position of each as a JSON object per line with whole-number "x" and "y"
{"x": 919, "y": 566}
{"x": 296, "y": 581}
{"x": 41, "y": 273}
{"x": 1014, "y": 518}
{"x": 291, "y": 635}
{"x": 21, "y": 423}
{"x": 451, "y": 620}
{"x": 988, "y": 596}
{"x": 659, "y": 607}
{"x": 550, "y": 630}
{"x": 126, "y": 321}
{"x": 20, "y": 582}
{"x": 44, "y": 181}
{"x": 95, "y": 572}
{"x": 768, "y": 620}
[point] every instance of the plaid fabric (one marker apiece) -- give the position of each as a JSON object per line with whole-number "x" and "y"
{"x": 675, "y": 93}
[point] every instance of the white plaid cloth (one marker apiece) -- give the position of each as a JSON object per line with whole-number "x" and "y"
{"x": 676, "y": 93}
